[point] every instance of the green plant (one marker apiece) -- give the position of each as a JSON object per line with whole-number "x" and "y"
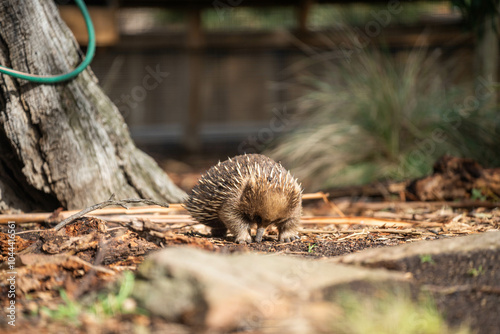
{"x": 110, "y": 304}
{"x": 375, "y": 117}
{"x": 389, "y": 313}
{"x": 476, "y": 272}
{"x": 103, "y": 306}
{"x": 310, "y": 248}
{"x": 68, "y": 311}
{"x": 427, "y": 258}
{"x": 477, "y": 195}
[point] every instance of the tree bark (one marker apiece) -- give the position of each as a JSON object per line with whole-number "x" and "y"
{"x": 62, "y": 144}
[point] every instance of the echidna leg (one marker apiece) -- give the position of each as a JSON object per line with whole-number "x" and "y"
{"x": 241, "y": 234}
{"x": 288, "y": 231}
{"x": 236, "y": 225}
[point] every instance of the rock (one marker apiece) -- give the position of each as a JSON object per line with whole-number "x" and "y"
{"x": 461, "y": 274}
{"x": 384, "y": 257}
{"x": 217, "y": 293}
{"x": 247, "y": 291}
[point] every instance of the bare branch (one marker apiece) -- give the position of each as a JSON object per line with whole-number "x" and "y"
{"x": 109, "y": 202}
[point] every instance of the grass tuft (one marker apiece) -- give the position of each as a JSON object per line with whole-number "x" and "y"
{"x": 374, "y": 116}
{"x": 106, "y": 305}
{"x": 389, "y": 313}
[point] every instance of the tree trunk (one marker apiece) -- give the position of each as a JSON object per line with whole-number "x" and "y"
{"x": 63, "y": 144}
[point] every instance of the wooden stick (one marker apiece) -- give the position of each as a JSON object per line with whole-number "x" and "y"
{"x": 460, "y": 288}
{"x": 152, "y": 219}
{"x": 90, "y": 265}
{"x": 350, "y": 220}
{"x": 44, "y": 216}
{"x": 162, "y": 212}
{"x": 318, "y": 195}
{"x": 352, "y": 235}
{"x": 310, "y": 220}
{"x": 30, "y": 231}
{"x": 324, "y": 197}
{"x": 332, "y": 205}
{"x": 306, "y": 220}
{"x": 132, "y": 216}
{"x": 109, "y": 202}
{"x": 24, "y": 218}
{"x": 376, "y": 206}
{"x": 372, "y": 230}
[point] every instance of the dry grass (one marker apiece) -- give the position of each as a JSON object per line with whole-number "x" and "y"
{"x": 375, "y": 116}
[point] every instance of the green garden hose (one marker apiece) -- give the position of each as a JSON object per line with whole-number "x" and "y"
{"x": 69, "y": 75}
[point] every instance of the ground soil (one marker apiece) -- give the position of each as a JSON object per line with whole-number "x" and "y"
{"x": 313, "y": 247}
{"x": 465, "y": 286}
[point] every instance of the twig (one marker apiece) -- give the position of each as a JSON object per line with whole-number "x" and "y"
{"x": 305, "y": 220}
{"x": 184, "y": 226}
{"x": 115, "y": 228}
{"x": 45, "y": 216}
{"x": 375, "y": 230}
{"x": 148, "y": 225}
{"x": 352, "y": 235}
{"x": 153, "y": 219}
{"x": 318, "y": 195}
{"x": 310, "y": 220}
{"x": 467, "y": 204}
{"x": 96, "y": 268}
{"x": 109, "y": 202}
{"x": 296, "y": 253}
{"x": 446, "y": 290}
{"x": 87, "y": 280}
{"x": 376, "y": 206}
{"x": 30, "y": 231}
{"x": 20, "y": 218}
{"x": 333, "y": 205}
{"x": 324, "y": 197}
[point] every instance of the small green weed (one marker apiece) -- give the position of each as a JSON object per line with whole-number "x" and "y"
{"x": 68, "y": 311}
{"x": 110, "y": 304}
{"x": 390, "y": 313}
{"x": 477, "y": 195}
{"x": 426, "y": 258}
{"x": 106, "y": 304}
{"x": 476, "y": 272}
{"x": 310, "y": 248}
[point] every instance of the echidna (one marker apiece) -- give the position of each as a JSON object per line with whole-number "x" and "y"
{"x": 246, "y": 190}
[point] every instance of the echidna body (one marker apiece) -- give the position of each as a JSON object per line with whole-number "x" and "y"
{"x": 247, "y": 190}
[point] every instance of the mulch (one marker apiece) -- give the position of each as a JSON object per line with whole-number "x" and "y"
{"x": 88, "y": 254}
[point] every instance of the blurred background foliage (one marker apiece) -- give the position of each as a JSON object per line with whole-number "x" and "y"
{"x": 372, "y": 114}
{"x": 363, "y": 101}
{"x": 375, "y": 117}
{"x": 284, "y": 17}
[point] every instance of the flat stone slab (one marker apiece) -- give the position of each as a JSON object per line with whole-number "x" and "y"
{"x": 488, "y": 241}
{"x": 461, "y": 273}
{"x": 219, "y": 293}
{"x": 243, "y": 290}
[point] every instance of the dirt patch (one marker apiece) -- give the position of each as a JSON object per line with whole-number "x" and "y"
{"x": 465, "y": 286}
{"x": 309, "y": 247}
{"x": 92, "y": 252}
